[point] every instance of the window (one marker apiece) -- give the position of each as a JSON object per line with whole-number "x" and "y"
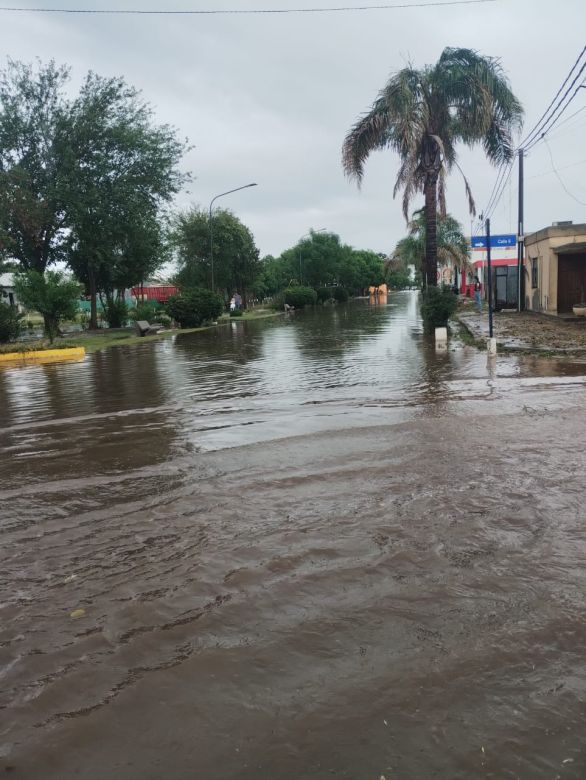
{"x": 534, "y": 273}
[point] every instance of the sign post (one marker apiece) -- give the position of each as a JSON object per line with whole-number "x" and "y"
{"x": 489, "y": 270}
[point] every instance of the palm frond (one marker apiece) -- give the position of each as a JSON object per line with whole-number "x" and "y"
{"x": 471, "y": 202}
{"x": 370, "y": 132}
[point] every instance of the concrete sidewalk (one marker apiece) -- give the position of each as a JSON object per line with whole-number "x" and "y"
{"x": 525, "y": 331}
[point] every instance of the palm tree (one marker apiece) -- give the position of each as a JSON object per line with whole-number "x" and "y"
{"x": 422, "y": 115}
{"x": 452, "y": 245}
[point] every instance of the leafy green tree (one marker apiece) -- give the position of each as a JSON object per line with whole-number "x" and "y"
{"x": 452, "y": 245}
{"x": 315, "y": 260}
{"x": 274, "y": 275}
{"x": 53, "y": 295}
{"x": 399, "y": 278}
{"x": 236, "y": 258}
{"x": 362, "y": 268}
{"x": 123, "y": 170}
{"x": 35, "y": 130}
{"x": 423, "y": 115}
{"x": 83, "y": 181}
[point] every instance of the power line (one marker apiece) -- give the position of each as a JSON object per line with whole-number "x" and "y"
{"x": 563, "y": 168}
{"x": 500, "y": 193}
{"x": 236, "y": 11}
{"x": 545, "y": 123}
{"x": 554, "y": 120}
{"x": 529, "y": 137}
{"x": 567, "y": 119}
{"x": 502, "y": 172}
{"x": 561, "y": 181}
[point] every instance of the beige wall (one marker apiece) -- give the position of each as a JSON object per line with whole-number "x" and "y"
{"x": 542, "y": 245}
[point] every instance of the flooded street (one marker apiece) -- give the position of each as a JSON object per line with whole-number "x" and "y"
{"x": 302, "y": 547}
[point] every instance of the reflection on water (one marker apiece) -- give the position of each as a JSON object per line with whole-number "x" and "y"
{"x": 349, "y": 355}
{"x": 308, "y": 546}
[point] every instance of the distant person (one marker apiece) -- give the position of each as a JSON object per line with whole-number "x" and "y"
{"x": 237, "y": 300}
{"x": 478, "y": 293}
{"x": 233, "y": 303}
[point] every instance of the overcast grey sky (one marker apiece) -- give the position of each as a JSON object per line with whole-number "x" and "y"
{"x": 270, "y": 98}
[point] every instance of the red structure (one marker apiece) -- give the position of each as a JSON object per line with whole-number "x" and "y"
{"x": 160, "y": 293}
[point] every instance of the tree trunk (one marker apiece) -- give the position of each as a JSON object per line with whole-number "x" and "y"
{"x": 432, "y": 163}
{"x": 93, "y": 323}
{"x": 431, "y": 230}
{"x": 48, "y": 328}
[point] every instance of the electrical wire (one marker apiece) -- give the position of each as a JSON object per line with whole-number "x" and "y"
{"x": 559, "y": 178}
{"x": 500, "y": 193}
{"x": 539, "y": 122}
{"x": 555, "y": 119}
{"x": 501, "y": 174}
{"x": 567, "y": 119}
{"x": 236, "y": 11}
{"x": 545, "y": 123}
{"x": 563, "y": 168}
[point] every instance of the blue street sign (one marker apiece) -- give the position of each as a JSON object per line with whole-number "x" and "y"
{"x": 496, "y": 242}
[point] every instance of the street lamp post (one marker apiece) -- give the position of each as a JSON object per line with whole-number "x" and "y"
{"x": 213, "y": 200}
{"x": 307, "y": 235}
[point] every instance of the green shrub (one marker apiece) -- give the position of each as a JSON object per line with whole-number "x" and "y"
{"x": 298, "y": 297}
{"x": 340, "y": 294}
{"x": 116, "y": 313}
{"x": 324, "y": 294}
{"x": 236, "y": 313}
{"x": 437, "y": 306}
{"x": 9, "y": 323}
{"x": 145, "y": 311}
{"x": 193, "y": 307}
{"x": 162, "y": 319}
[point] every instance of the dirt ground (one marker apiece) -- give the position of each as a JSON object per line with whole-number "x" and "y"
{"x": 526, "y": 330}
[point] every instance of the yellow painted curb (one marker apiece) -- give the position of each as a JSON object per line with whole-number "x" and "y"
{"x": 41, "y": 355}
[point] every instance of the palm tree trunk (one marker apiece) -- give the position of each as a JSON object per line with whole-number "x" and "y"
{"x": 430, "y": 191}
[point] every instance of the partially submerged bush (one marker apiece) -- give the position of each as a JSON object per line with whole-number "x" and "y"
{"x": 437, "y": 306}
{"x": 298, "y": 297}
{"x": 9, "y": 323}
{"x": 324, "y": 294}
{"x": 340, "y": 294}
{"x": 195, "y": 306}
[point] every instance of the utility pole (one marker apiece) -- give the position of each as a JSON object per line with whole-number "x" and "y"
{"x": 489, "y": 269}
{"x": 520, "y": 233}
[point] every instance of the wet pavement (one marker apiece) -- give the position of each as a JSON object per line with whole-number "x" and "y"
{"x": 295, "y": 548}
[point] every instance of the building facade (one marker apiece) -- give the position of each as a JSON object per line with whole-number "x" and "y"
{"x": 503, "y": 259}
{"x": 555, "y": 268}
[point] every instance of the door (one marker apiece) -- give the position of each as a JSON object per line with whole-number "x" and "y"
{"x": 506, "y": 287}
{"x": 571, "y": 281}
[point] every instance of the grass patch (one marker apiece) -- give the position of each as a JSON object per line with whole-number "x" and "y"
{"x": 95, "y": 340}
{"x": 36, "y": 346}
{"x": 463, "y": 334}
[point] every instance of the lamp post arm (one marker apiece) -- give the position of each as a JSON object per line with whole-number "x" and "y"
{"x": 211, "y": 224}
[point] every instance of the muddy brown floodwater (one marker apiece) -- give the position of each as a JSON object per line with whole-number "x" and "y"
{"x": 298, "y": 548}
